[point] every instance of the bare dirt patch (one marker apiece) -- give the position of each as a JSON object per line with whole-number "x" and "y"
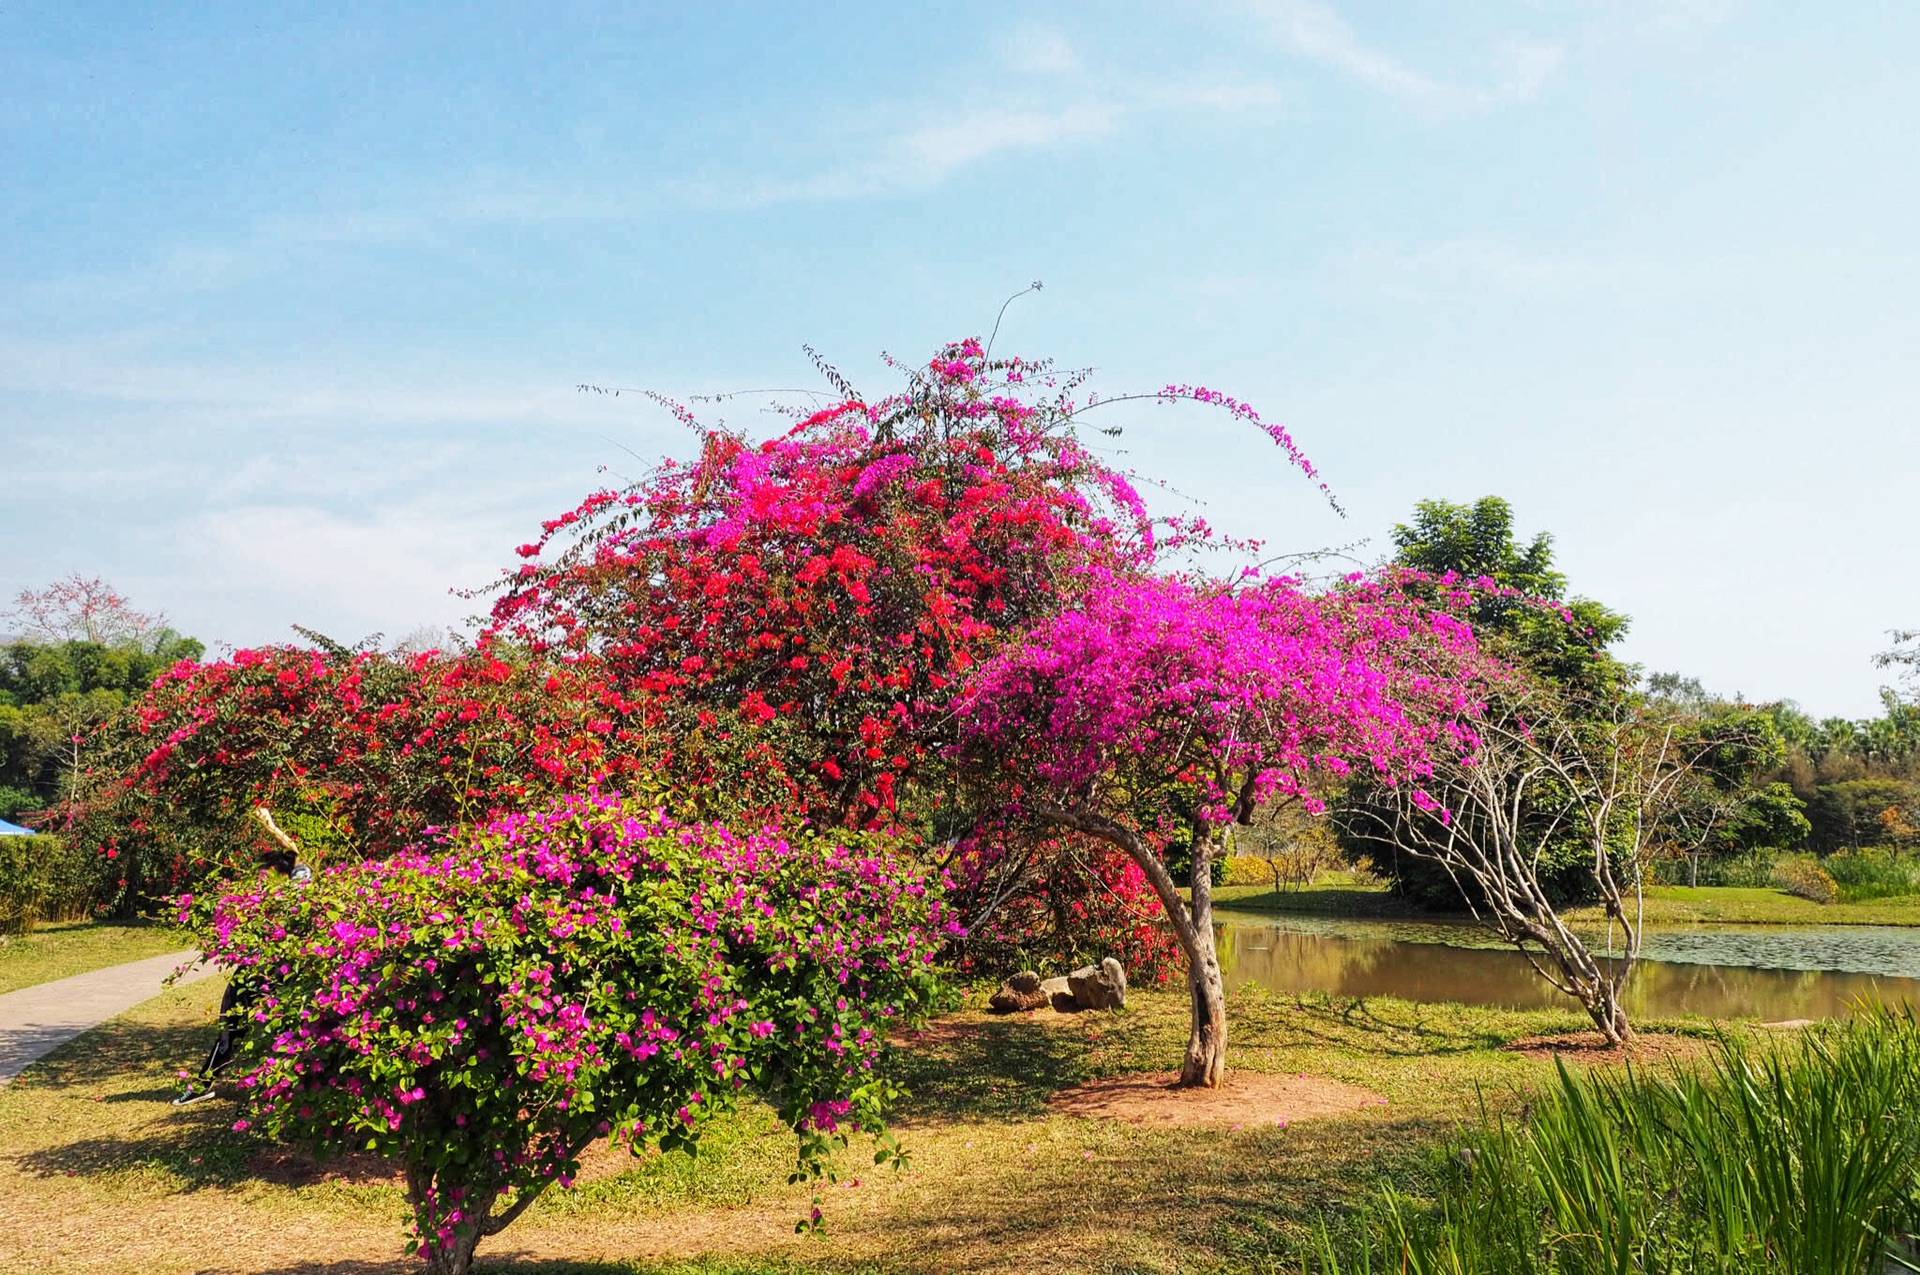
{"x": 283, "y": 1166}
{"x": 1592, "y": 1047}
{"x": 1247, "y": 1098}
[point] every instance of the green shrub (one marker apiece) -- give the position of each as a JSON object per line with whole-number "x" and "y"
{"x": 1873, "y": 874}
{"x": 1805, "y": 879}
{"x": 43, "y": 878}
{"x": 1797, "y": 1157}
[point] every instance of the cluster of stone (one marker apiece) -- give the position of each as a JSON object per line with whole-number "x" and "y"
{"x": 1102, "y": 986}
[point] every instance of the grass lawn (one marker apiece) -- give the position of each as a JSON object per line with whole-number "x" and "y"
{"x": 1680, "y": 904}
{"x": 60, "y": 948}
{"x": 97, "y": 1173}
{"x": 1332, "y": 899}
{"x": 1666, "y": 905}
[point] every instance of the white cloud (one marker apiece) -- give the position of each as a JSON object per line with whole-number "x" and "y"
{"x": 1316, "y": 31}
{"x": 1686, "y": 17}
{"x": 1531, "y": 63}
{"x": 919, "y": 158}
{"x": 129, "y": 369}
{"x": 1230, "y": 97}
{"x": 897, "y": 149}
{"x": 1481, "y": 264}
{"x": 936, "y": 151}
{"x": 1040, "y": 50}
{"x": 348, "y": 575}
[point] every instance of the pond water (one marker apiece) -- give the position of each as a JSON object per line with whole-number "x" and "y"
{"x": 1766, "y": 972}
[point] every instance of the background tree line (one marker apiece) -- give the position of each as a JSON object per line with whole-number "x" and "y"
{"x": 79, "y": 654}
{"x": 1771, "y": 780}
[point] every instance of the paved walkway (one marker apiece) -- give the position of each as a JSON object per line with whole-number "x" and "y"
{"x": 34, "y": 1021}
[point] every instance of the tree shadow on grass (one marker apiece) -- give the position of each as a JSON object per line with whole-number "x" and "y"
{"x": 1351, "y": 1022}
{"x": 1337, "y": 901}
{"x": 521, "y": 1263}
{"x": 988, "y": 1069}
{"x": 117, "y": 1047}
{"x": 134, "y": 1130}
{"x": 196, "y": 1158}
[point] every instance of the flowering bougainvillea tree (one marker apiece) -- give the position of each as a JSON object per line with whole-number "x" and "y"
{"x": 1229, "y": 695}
{"x": 813, "y": 603}
{"x": 360, "y": 752}
{"x": 485, "y": 1012}
{"x": 842, "y": 577}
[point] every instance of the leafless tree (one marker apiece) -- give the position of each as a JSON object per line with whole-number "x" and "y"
{"x": 1544, "y": 772}
{"x": 1904, "y": 655}
{"x": 75, "y": 608}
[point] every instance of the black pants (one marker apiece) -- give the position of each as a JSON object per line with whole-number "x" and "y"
{"x": 243, "y": 990}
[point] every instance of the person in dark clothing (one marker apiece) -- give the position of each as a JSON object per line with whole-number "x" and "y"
{"x": 243, "y": 991}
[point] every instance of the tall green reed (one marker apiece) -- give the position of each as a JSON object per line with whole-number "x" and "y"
{"x": 1796, "y": 1156}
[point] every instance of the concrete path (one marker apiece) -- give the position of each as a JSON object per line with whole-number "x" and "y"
{"x": 34, "y": 1021}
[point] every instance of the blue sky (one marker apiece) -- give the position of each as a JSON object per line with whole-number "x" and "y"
{"x": 295, "y": 302}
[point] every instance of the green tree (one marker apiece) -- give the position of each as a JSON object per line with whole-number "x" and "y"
{"x": 55, "y": 696}
{"x": 1905, "y": 656}
{"x": 1732, "y": 803}
{"x": 1477, "y": 542}
{"x": 1848, "y": 815}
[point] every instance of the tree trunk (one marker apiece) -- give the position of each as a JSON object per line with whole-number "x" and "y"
{"x": 1609, "y": 1016}
{"x": 1205, "y": 1064}
{"x": 1599, "y": 994}
{"x": 453, "y": 1254}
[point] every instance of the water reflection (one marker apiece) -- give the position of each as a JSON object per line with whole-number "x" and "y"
{"x": 1283, "y": 956}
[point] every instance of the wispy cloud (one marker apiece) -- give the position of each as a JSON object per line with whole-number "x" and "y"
{"x": 1482, "y": 265}
{"x": 309, "y": 563}
{"x": 1227, "y": 96}
{"x": 128, "y": 370}
{"x": 937, "y": 151}
{"x": 919, "y": 158}
{"x": 1040, "y": 50}
{"x": 1686, "y": 17}
{"x": 1530, "y": 64}
{"x": 1317, "y": 31}
{"x": 890, "y": 148}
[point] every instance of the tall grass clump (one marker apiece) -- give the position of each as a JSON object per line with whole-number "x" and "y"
{"x": 1752, "y": 870}
{"x": 1873, "y": 874}
{"x": 1794, "y": 1157}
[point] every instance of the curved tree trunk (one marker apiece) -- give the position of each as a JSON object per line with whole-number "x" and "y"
{"x": 1585, "y": 978}
{"x": 1205, "y": 1063}
{"x": 1613, "y": 1020}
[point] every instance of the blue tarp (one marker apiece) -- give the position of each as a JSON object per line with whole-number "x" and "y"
{"x": 13, "y": 830}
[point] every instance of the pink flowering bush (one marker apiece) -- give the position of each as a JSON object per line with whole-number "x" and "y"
{"x": 485, "y": 1012}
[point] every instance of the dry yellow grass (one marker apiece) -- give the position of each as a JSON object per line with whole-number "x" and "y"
{"x": 98, "y": 1173}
